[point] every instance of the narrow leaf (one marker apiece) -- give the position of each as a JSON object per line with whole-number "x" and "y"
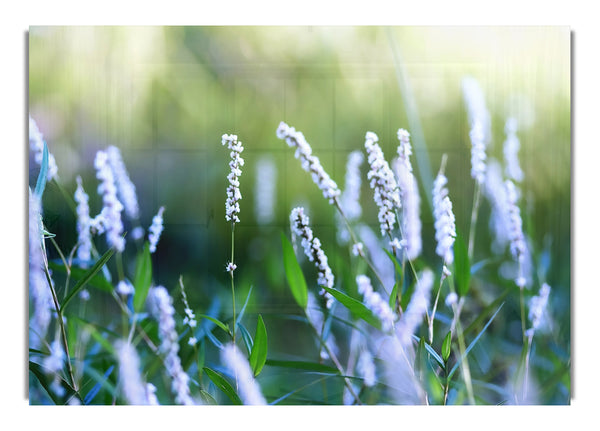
{"x": 446, "y": 346}
{"x": 223, "y": 384}
{"x": 394, "y": 295}
{"x": 468, "y": 349}
{"x": 302, "y": 365}
{"x": 396, "y": 263}
{"x": 88, "y": 276}
{"x": 98, "y": 280}
{"x": 259, "y": 349}
{"x": 431, "y": 351}
{"x": 246, "y": 337}
{"x": 142, "y": 279}
{"x": 217, "y": 322}
{"x": 293, "y": 273}
{"x": 40, "y": 185}
{"x": 94, "y": 391}
{"x": 243, "y": 310}
{"x": 356, "y": 307}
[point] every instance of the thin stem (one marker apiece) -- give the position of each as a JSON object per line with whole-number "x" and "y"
{"x": 474, "y": 215}
{"x": 465, "y": 363}
{"x": 232, "y": 281}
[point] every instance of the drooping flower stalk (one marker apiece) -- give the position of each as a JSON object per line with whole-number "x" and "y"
{"x": 382, "y": 181}
{"x": 36, "y": 145}
{"x": 156, "y": 229}
{"x": 136, "y": 392}
{"x": 84, "y": 236}
{"x": 309, "y": 162}
{"x": 125, "y": 187}
{"x": 313, "y": 251}
{"x": 109, "y": 219}
{"x": 237, "y": 364}
{"x": 409, "y": 193}
{"x": 511, "y": 151}
{"x": 374, "y": 302}
{"x": 161, "y": 307}
{"x": 445, "y": 229}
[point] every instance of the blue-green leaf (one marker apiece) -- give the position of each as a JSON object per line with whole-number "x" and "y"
{"x": 259, "y": 349}
{"x": 40, "y": 185}
{"x": 446, "y": 346}
{"x": 356, "y": 307}
{"x": 293, "y": 273}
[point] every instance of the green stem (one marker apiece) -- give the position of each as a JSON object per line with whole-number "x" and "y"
{"x": 232, "y": 281}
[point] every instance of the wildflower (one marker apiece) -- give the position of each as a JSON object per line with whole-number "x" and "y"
{"x": 266, "y": 183}
{"x": 358, "y": 249}
{"x": 479, "y": 121}
{"x": 232, "y": 205}
{"x": 83, "y": 225}
{"x": 238, "y": 365}
{"x": 375, "y": 303}
{"x": 382, "y": 181}
{"x": 516, "y": 237}
{"x": 161, "y": 307}
{"x": 511, "y": 150}
{"x": 416, "y": 309}
{"x": 312, "y": 249}
{"x": 309, "y": 162}
{"x": 189, "y": 318}
{"x": 137, "y": 233}
{"x": 366, "y": 368}
{"x": 451, "y": 299}
{"x": 36, "y": 145}
{"x": 84, "y": 295}
{"x": 230, "y": 267}
{"x": 136, "y": 392}
{"x": 445, "y": 229}
{"x": 124, "y": 287}
{"x": 39, "y": 290}
{"x": 156, "y": 229}
{"x": 537, "y": 309}
{"x": 125, "y": 188}
{"x": 409, "y": 193}
{"x": 109, "y": 219}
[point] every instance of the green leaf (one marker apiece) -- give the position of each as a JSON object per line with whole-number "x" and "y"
{"x": 98, "y": 281}
{"x": 394, "y": 295}
{"x": 88, "y": 276}
{"x": 446, "y": 346}
{"x": 142, "y": 279}
{"x": 223, "y": 384}
{"x": 207, "y": 398}
{"x": 462, "y": 267}
{"x": 396, "y": 263}
{"x": 356, "y": 307}
{"x": 302, "y": 365}
{"x": 217, "y": 322}
{"x": 40, "y": 375}
{"x": 468, "y": 349}
{"x": 259, "y": 349}
{"x": 40, "y": 185}
{"x": 486, "y": 312}
{"x": 431, "y": 351}
{"x": 293, "y": 273}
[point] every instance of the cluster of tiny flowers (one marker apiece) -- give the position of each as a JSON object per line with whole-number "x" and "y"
{"x": 125, "y": 187}
{"x": 350, "y": 199}
{"x": 537, "y": 309}
{"x": 382, "y": 181}
{"x": 156, "y": 229}
{"x": 190, "y": 317}
{"x": 38, "y": 285}
{"x": 511, "y": 151}
{"x": 109, "y": 219}
{"x": 516, "y": 237}
{"x": 312, "y": 249}
{"x": 266, "y": 187}
{"x": 479, "y": 120}
{"x": 124, "y": 287}
{"x": 238, "y": 365}
{"x": 358, "y": 249}
{"x": 232, "y": 204}
{"x": 309, "y": 162}
{"x": 413, "y": 316}
{"x": 84, "y": 236}
{"x": 409, "y": 192}
{"x": 445, "y": 229}
{"x": 366, "y": 368}
{"x": 161, "y": 307}
{"x": 136, "y": 392}
{"x": 375, "y": 303}
{"x": 36, "y": 145}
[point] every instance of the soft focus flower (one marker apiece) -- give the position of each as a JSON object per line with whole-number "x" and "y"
{"x": 511, "y": 151}
{"x": 109, "y": 219}
{"x": 315, "y": 318}
{"x": 124, "y": 287}
{"x": 36, "y": 145}
{"x": 265, "y": 190}
{"x": 312, "y": 249}
{"x": 413, "y": 316}
{"x": 125, "y": 188}
{"x": 156, "y": 229}
{"x": 238, "y": 365}
{"x": 232, "y": 205}
{"x": 230, "y": 267}
{"x": 366, "y": 368}
{"x": 350, "y": 198}
{"x": 537, "y": 309}
{"x": 374, "y": 302}
{"x": 479, "y": 121}
{"x": 136, "y": 392}
{"x": 516, "y": 237}
{"x": 84, "y": 236}
{"x": 309, "y": 162}
{"x": 445, "y": 229}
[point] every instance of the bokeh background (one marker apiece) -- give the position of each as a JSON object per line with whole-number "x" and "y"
{"x": 165, "y": 95}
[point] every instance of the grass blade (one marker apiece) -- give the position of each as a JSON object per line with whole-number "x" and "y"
{"x": 87, "y": 277}
{"x": 259, "y": 349}
{"x": 462, "y": 267}
{"x": 293, "y": 273}
{"x": 217, "y": 322}
{"x": 303, "y": 365}
{"x": 40, "y": 185}
{"x": 468, "y": 349}
{"x": 142, "y": 279}
{"x": 356, "y": 307}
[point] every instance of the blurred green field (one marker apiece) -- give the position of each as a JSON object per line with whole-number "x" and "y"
{"x": 166, "y": 95}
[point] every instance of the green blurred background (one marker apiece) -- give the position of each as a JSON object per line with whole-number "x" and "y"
{"x": 165, "y": 95}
